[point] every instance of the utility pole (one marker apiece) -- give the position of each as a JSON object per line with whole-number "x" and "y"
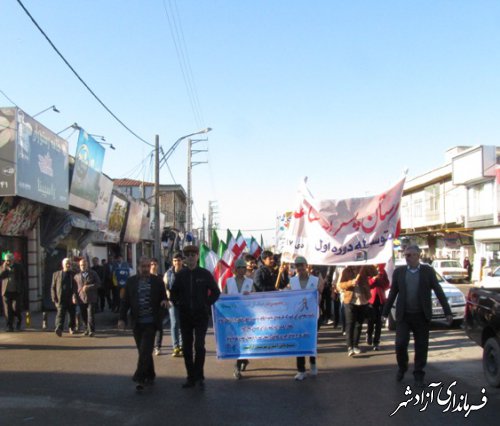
{"x": 212, "y": 220}
{"x": 157, "y": 232}
{"x": 203, "y": 230}
{"x": 190, "y": 165}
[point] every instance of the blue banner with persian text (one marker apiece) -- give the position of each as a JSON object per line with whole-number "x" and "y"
{"x": 266, "y": 325}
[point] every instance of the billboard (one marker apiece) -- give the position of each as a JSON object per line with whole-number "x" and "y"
{"x": 134, "y": 222}
{"x": 33, "y": 160}
{"x": 8, "y": 134}
{"x": 89, "y": 157}
{"x": 100, "y": 213}
{"x": 116, "y": 219}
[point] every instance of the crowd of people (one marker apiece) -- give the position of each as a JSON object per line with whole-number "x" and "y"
{"x": 348, "y": 297}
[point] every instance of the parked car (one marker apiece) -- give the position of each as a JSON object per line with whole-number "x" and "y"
{"x": 482, "y": 325}
{"x": 451, "y": 270}
{"x": 456, "y": 300}
{"x": 491, "y": 280}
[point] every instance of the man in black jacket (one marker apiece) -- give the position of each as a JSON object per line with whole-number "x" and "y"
{"x": 12, "y": 282}
{"x": 62, "y": 292}
{"x": 194, "y": 291}
{"x": 144, "y": 294}
{"x": 412, "y": 284}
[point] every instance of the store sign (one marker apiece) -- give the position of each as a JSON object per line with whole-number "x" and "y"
{"x": 18, "y": 216}
{"x": 33, "y": 160}
{"x": 8, "y": 132}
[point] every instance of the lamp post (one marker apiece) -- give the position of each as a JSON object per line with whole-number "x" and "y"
{"x": 75, "y": 126}
{"x": 171, "y": 150}
{"x": 52, "y": 107}
{"x": 158, "y": 163}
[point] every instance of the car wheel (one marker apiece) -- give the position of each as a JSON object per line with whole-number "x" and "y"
{"x": 391, "y": 323}
{"x": 491, "y": 361}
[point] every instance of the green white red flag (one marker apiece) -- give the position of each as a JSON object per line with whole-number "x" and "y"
{"x": 255, "y": 250}
{"x": 208, "y": 259}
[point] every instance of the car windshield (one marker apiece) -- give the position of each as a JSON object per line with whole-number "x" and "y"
{"x": 440, "y": 279}
{"x": 497, "y": 272}
{"x": 450, "y": 264}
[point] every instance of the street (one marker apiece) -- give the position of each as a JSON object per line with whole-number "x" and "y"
{"x": 46, "y": 380}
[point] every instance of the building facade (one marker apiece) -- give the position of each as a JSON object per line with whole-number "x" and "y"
{"x": 453, "y": 211}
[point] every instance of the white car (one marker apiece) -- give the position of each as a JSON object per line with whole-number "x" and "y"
{"x": 451, "y": 270}
{"x": 491, "y": 280}
{"x": 456, "y": 300}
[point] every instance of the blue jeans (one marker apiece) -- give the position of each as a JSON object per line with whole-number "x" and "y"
{"x": 175, "y": 330}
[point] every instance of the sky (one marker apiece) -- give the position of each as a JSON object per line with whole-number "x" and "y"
{"x": 349, "y": 94}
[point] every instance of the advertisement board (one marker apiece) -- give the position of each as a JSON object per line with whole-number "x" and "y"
{"x": 89, "y": 157}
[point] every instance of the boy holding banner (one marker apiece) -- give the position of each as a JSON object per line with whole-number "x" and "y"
{"x": 305, "y": 281}
{"x": 239, "y": 284}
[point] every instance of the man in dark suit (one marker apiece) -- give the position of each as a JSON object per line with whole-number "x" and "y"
{"x": 12, "y": 279}
{"x": 88, "y": 284}
{"x": 62, "y": 291}
{"x": 412, "y": 285}
{"x": 144, "y": 294}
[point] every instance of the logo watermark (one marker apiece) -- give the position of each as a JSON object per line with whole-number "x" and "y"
{"x": 436, "y": 393}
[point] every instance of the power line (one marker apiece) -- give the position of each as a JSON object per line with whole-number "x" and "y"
{"x": 183, "y": 59}
{"x": 9, "y": 99}
{"x": 79, "y": 78}
{"x": 137, "y": 169}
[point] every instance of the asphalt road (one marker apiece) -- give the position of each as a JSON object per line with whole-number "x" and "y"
{"x": 77, "y": 380}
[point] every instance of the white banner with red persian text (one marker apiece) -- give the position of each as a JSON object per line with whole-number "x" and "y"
{"x": 343, "y": 232}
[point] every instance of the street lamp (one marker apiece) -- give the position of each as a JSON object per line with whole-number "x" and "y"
{"x": 158, "y": 163}
{"x": 52, "y": 107}
{"x": 75, "y": 126}
{"x": 103, "y": 141}
{"x": 171, "y": 150}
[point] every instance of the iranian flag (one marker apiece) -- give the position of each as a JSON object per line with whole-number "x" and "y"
{"x": 208, "y": 259}
{"x": 215, "y": 241}
{"x": 230, "y": 255}
{"x": 240, "y": 243}
{"x": 223, "y": 269}
{"x": 254, "y": 249}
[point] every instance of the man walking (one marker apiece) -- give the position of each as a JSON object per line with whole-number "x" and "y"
{"x": 412, "y": 285}
{"x": 99, "y": 270}
{"x": 62, "y": 291}
{"x": 87, "y": 283}
{"x": 12, "y": 278}
{"x": 144, "y": 295}
{"x": 173, "y": 310}
{"x": 194, "y": 291}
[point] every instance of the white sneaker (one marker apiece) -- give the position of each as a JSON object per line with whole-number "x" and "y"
{"x": 300, "y": 376}
{"x": 314, "y": 370}
{"x": 356, "y": 350}
{"x": 350, "y": 352}
{"x": 157, "y": 351}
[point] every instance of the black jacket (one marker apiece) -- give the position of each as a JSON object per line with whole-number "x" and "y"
{"x": 194, "y": 291}
{"x": 62, "y": 295}
{"x": 131, "y": 299}
{"x": 265, "y": 279}
{"x": 427, "y": 283}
